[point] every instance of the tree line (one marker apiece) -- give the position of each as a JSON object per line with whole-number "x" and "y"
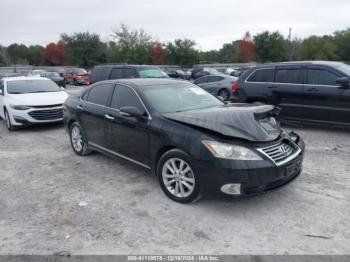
{"x": 135, "y": 46}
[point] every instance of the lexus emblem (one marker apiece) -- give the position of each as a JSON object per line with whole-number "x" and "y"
{"x": 284, "y": 149}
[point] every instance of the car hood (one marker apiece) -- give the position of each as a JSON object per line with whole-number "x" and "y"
{"x": 249, "y": 122}
{"x": 37, "y": 99}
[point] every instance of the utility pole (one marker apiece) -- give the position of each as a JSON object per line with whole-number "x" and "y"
{"x": 290, "y": 44}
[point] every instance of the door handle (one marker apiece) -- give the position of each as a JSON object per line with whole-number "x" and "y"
{"x": 79, "y": 107}
{"x": 109, "y": 117}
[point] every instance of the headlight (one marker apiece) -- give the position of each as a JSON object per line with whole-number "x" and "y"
{"x": 228, "y": 151}
{"x": 17, "y": 107}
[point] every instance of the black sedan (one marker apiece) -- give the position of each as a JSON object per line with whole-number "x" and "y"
{"x": 56, "y": 77}
{"x": 193, "y": 142}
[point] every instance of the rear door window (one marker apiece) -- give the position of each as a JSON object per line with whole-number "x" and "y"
{"x": 289, "y": 76}
{"x": 201, "y": 80}
{"x": 100, "y": 94}
{"x": 116, "y": 73}
{"x": 130, "y": 73}
{"x": 262, "y": 76}
{"x": 321, "y": 77}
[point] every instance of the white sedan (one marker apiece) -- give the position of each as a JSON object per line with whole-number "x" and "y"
{"x": 30, "y": 100}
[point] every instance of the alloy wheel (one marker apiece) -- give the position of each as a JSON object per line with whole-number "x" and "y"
{"x": 77, "y": 138}
{"x": 224, "y": 94}
{"x": 178, "y": 177}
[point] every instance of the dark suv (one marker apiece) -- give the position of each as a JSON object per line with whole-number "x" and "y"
{"x": 120, "y": 71}
{"x": 307, "y": 91}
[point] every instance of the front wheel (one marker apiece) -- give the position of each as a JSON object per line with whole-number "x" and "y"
{"x": 224, "y": 94}
{"x": 9, "y": 125}
{"x": 177, "y": 177}
{"x": 78, "y": 141}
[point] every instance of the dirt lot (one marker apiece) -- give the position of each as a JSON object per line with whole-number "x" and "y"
{"x": 53, "y": 200}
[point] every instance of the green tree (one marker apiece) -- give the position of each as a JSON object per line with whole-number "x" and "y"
{"x": 182, "y": 52}
{"x": 2, "y": 56}
{"x": 211, "y": 56}
{"x": 34, "y": 54}
{"x": 131, "y": 46}
{"x": 318, "y": 48}
{"x": 342, "y": 41}
{"x": 17, "y": 53}
{"x": 270, "y": 47}
{"x": 84, "y": 49}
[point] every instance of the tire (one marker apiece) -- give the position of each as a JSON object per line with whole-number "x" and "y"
{"x": 177, "y": 177}
{"x": 224, "y": 94}
{"x": 77, "y": 140}
{"x": 7, "y": 119}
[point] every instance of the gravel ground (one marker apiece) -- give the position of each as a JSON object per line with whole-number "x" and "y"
{"x": 52, "y": 200}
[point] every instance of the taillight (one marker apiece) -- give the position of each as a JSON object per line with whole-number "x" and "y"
{"x": 234, "y": 86}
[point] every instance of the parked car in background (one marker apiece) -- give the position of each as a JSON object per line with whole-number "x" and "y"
{"x": 188, "y": 74}
{"x": 30, "y": 100}
{"x": 77, "y": 76}
{"x": 218, "y": 85}
{"x": 56, "y": 77}
{"x": 314, "y": 91}
{"x": 36, "y": 72}
{"x": 199, "y": 72}
{"x": 120, "y": 71}
{"x": 176, "y": 73}
{"x": 6, "y": 74}
{"x": 193, "y": 142}
{"x": 232, "y": 72}
{"x": 57, "y": 69}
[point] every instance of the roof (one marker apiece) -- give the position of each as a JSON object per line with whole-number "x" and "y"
{"x": 17, "y": 78}
{"x": 142, "y": 82}
{"x": 299, "y": 63}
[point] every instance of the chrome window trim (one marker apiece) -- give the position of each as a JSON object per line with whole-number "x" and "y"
{"x": 119, "y": 155}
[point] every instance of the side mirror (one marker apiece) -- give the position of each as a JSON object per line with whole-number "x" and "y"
{"x": 344, "y": 82}
{"x": 131, "y": 111}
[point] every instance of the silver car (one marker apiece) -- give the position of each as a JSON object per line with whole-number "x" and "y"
{"x": 218, "y": 85}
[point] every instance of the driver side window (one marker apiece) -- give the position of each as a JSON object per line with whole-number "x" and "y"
{"x": 125, "y": 96}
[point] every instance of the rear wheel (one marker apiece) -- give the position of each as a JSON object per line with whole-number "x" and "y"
{"x": 177, "y": 177}
{"x": 224, "y": 93}
{"x": 78, "y": 141}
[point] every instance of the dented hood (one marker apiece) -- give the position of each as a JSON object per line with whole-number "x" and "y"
{"x": 249, "y": 122}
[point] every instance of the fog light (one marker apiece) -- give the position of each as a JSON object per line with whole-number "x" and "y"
{"x": 231, "y": 189}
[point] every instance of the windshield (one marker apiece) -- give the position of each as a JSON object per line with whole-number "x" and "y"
{"x": 343, "y": 68}
{"x": 151, "y": 73}
{"x": 31, "y": 86}
{"x": 179, "y": 97}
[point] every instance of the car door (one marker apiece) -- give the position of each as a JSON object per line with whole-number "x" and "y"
{"x": 2, "y": 97}
{"x": 214, "y": 84}
{"x": 322, "y": 95}
{"x": 128, "y": 136}
{"x": 287, "y": 91}
{"x": 92, "y": 113}
{"x": 202, "y": 81}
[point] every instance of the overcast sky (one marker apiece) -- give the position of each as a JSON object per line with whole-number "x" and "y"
{"x": 210, "y": 23}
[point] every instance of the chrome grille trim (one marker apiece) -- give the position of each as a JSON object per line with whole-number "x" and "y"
{"x": 278, "y": 155}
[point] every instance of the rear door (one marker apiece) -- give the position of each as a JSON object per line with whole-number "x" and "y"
{"x": 127, "y": 136}
{"x": 287, "y": 91}
{"x": 92, "y": 113}
{"x": 322, "y": 95}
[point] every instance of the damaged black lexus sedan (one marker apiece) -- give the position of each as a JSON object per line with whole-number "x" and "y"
{"x": 193, "y": 142}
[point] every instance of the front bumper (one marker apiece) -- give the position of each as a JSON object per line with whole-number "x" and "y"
{"x": 250, "y": 177}
{"x": 36, "y": 116}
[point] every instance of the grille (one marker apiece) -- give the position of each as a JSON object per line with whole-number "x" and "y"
{"x": 281, "y": 152}
{"x": 46, "y": 106}
{"x": 52, "y": 114}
